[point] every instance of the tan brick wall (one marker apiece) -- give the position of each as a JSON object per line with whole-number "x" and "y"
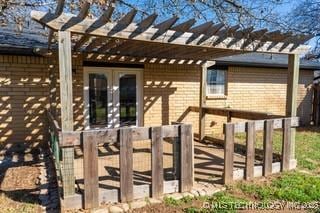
{"x": 168, "y": 91}
{"x": 23, "y": 98}
{"x": 257, "y": 89}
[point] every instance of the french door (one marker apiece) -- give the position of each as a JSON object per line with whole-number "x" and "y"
{"x": 112, "y": 97}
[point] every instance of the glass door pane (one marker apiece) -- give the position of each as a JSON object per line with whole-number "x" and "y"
{"x": 98, "y": 99}
{"x": 128, "y": 99}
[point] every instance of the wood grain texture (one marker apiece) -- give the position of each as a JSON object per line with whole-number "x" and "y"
{"x": 157, "y": 162}
{"x": 73, "y": 138}
{"x": 90, "y": 168}
{"x": 286, "y": 145}
{"x": 65, "y": 70}
{"x": 250, "y": 152}
{"x": 126, "y": 165}
{"x": 186, "y": 146}
{"x": 268, "y": 147}
{"x": 228, "y": 153}
{"x": 292, "y": 93}
{"x": 202, "y": 102}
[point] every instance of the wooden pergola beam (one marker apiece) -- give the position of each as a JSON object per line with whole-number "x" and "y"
{"x": 58, "y": 11}
{"x": 124, "y": 28}
{"x": 105, "y": 18}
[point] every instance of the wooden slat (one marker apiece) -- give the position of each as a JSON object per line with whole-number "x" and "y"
{"x": 164, "y": 26}
{"x": 250, "y": 153}
{"x": 185, "y": 26}
{"x": 241, "y": 127}
{"x": 228, "y": 153}
{"x": 286, "y": 144}
{"x": 224, "y": 34}
{"x": 58, "y": 11}
{"x": 105, "y": 18}
{"x": 268, "y": 147}
{"x": 212, "y": 31}
{"x": 255, "y": 35}
{"x": 157, "y": 162}
{"x": 96, "y": 42}
{"x": 90, "y": 169}
{"x": 186, "y": 146}
{"x": 126, "y": 165}
{"x": 202, "y": 28}
{"x": 100, "y": 22}
{"x": 144, "y": 25}
{"x": 84, "y": 11}
{"x": 122, "y": 30}
{"x": 240, "y": 34}
{"x": 105, "y": 136}
{"x": 110, "y": 44}
{"x": 127, "y": 19}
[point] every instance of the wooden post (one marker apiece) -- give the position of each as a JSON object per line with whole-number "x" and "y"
{"x": 250, "y": 154}
{"x": 90, "y": 169}
{"x": 286, "y": 142}
{"x": 228, "y": 152}
{"x": 267, "y": 147}
{"x": 292, "y": 90}
{"x": 126, "y": 165}
{"x": 66, "y": 101}
{"x": 229, "y": 117}
{"x": 202, "y": 100}
{"x": 202, "y": 103}
{"x": 157, "y": 162}
{"x": 186, "y": 177}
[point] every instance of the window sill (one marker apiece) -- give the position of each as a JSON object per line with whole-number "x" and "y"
{"x": 215, "y": 97}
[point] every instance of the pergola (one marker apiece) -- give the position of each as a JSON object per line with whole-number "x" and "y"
{"x": 165, "y": 42}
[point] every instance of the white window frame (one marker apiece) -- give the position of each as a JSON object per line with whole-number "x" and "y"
{"x": 113, "y": 75}
{"x": 225, "y": 84}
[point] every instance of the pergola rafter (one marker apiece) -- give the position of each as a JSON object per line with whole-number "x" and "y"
{"x": 169, "y": 40}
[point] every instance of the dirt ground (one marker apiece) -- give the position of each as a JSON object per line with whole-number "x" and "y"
{"x": 18, "y": 183}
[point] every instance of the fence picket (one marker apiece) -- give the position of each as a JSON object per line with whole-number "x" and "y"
{"x": 268, "y": 147}
{"x": 126, "y": 165}
{"x": 286, "y": 147}
{"x": 250, "y": 154}
{"x": 186, "y": 146}
{"x": 228, "y": 153}
{"x": 157, "y": 162}
{"x": 90, "y": 168}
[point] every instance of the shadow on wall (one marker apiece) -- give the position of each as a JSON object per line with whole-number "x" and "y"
{"x": 24, "y": 97}
{"x": 153, "y": 93}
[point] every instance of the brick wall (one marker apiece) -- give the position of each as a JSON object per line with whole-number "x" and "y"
{"x": 257, "y": 89}
{"x": 23, "y": 99}
{"x": 168, "y": 91}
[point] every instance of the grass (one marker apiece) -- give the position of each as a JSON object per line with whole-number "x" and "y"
{"x": 308, "y": 149}
{"x": 293, "y": 186}
{"x": 307, "y": 146}
{"x": 302, "y": 185}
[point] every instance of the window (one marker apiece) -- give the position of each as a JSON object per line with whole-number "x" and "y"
{"x": 216, "y": 82}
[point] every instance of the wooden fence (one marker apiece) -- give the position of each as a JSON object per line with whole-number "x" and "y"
{"x": 250, "y": 128}
{"x": 125, "y": 137}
